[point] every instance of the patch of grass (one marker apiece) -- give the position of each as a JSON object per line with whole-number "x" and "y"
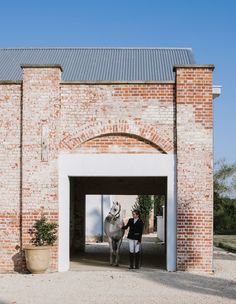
{"x": 227, "y": 242}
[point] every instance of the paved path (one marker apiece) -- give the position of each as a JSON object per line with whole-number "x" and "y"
{"x": 101, "y": 284}
{"x": 96, "y": 256}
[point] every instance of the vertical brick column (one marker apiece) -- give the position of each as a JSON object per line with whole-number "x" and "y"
{"x": 194, "y": 167}
{"x": 10, "y": 135}
{"x": 41, "y": 110}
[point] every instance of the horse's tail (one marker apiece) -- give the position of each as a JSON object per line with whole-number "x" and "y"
{"x": 114, "y": 245}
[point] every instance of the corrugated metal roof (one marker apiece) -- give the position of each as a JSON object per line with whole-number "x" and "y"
{"x": 98, "y": 64}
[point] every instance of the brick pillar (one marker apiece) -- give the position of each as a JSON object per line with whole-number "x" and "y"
{"x": 10, "y": 134}
{"x": 41, "y": 110}
{"x": 194, "y": 167}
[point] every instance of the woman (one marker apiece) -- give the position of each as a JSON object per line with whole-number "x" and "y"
{"x": 135, "y": 225}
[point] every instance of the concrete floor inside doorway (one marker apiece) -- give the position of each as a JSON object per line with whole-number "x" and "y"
{"x": 96, "y": 255}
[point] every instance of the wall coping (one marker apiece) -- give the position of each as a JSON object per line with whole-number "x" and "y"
{"x": 193, "y": 66}
{"x": 42, "y": 66}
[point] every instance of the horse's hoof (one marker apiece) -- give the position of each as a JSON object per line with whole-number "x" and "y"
{"x": 131, "y": 267}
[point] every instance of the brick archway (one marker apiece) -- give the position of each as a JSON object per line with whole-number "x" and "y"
{"x": 118, "y": 143}
{"x": 155, "y": 136}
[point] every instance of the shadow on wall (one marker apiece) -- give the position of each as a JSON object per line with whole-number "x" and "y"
{"x": 95, "y": 230}
{"x": 96, "y": 215}
{"x": 19, "y": 261}
{"x": 194, "y": 283}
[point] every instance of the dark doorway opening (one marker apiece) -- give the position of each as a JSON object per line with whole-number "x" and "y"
{"x": 153, "y": 252}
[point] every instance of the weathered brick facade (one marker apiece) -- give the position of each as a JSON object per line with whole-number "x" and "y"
{"x": 43, "y": 116}
{"x": 194, "y": 168}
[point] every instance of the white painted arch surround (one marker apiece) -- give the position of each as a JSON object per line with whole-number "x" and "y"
{"x": 115, "y": 165}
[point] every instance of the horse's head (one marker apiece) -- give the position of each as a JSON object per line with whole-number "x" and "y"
{"x": 115, "y": 209}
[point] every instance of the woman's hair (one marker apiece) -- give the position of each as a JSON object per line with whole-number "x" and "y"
{"x": 136, "y": 211}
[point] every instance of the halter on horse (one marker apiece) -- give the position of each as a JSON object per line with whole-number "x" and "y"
{"x": 114, "y": 233}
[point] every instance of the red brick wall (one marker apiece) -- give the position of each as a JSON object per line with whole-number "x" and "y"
{"x": 194, "y": 169}
{"x": 117, "y": 144}
{"x": 143, "y": 110}
{"x": 41, "y": 110}
{"x": 10, "y": 100}
{"x": 139, "y": 124}
{"x": 106, "y": 118}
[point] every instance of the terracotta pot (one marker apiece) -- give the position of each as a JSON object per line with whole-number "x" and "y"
{"x": 37, "y": 258}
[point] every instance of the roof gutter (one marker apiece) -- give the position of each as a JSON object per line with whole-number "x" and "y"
{"x": 216, "y": 91}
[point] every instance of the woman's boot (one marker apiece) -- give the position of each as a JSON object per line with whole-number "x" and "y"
{"x": 137, "y": 260}
{"x": 131, "y": 260}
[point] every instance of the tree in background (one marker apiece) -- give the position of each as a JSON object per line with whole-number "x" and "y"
{"x": 144, "y": 205}
{"x": 224, "y": 203}
{"x": 159, "y": 202}
{"x": 224, "y": 178}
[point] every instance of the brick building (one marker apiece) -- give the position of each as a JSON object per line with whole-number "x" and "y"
{"x": 82, "y": 121}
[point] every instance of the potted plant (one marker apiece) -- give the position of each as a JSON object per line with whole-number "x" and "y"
{"x": 44, "y": 235}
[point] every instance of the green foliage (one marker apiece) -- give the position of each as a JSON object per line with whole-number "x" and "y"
{"x": 159, "y": 201}
{"x": 224, "y": 178}
{"x": 224, "y": 215}
{"x": 144, "y": 205}
{"x": 45, "y": 233}
{"x": 224, "y": 205}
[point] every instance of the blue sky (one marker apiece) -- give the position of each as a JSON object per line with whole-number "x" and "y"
{"x": 208, "y": 27}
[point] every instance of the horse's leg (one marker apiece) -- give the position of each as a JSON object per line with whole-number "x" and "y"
{"x": 111, "y": 251}
{"x": 118, "y": 252}
{"x": 114, "y": 258}
{"x": 114, "y": 247}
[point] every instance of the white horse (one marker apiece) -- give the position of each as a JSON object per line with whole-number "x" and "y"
{"x": 114, "y": 232}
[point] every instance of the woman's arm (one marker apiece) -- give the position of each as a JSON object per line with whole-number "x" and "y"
{"x": 126, "y": 226}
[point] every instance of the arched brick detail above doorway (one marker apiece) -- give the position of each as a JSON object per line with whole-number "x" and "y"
{"x": 118, "y": 143}
{"x": 157, "y": 136}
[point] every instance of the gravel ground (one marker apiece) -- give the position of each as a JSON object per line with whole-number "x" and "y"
{"x": 98, "y": 284}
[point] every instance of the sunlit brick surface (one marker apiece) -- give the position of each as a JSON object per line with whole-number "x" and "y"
{"x": 45, "y": 116}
